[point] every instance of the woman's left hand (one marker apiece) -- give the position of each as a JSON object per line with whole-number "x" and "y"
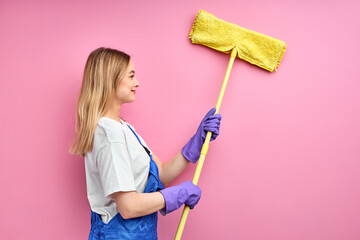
{"x": 211, "y": 123}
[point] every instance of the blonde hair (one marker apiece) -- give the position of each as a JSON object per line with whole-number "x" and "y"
{"x": 104, "y": 69}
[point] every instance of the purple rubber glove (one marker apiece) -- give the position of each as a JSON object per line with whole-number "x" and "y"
{"x": 192, "y": 149}
{"x": 175, "y": 196}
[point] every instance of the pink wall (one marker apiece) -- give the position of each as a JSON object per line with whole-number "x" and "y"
{"x": 286, "y": 163}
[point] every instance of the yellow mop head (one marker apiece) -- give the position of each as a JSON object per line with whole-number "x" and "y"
{"x": 256, "y": 48}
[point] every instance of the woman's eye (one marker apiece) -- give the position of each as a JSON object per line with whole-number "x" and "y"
{"x": 132, "y": 76}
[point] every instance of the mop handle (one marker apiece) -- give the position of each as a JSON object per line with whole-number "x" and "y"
{"x": 205, "y": 146}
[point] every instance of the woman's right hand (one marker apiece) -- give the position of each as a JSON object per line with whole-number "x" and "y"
{"x": 175, "y": 196}
{"x": 191, "y": 151}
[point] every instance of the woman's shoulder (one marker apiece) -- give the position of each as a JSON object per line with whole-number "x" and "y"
{"x": 110, "y": 129}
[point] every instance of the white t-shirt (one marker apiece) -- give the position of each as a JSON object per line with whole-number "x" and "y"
{"x": 116, "y": 163}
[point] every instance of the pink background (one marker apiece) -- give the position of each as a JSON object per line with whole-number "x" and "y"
{"x": 286, "y": 163}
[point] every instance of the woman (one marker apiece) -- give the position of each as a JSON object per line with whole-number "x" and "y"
{"x": 125, "y": 180}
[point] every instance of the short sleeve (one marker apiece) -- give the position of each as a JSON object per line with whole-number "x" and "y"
{"x": 114, "y": 167}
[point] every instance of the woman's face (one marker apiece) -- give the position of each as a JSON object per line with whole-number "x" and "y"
{"x": 126, "y": 90}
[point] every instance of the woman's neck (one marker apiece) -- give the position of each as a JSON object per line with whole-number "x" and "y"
{"x": 113, "y": 113}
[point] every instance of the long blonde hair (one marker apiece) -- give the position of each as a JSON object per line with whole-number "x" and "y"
{"x": 104, "y": 68}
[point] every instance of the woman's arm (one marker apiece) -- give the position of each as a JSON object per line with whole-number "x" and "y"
{"x": 133, "y": 204}
{"x": 171, "y": 169}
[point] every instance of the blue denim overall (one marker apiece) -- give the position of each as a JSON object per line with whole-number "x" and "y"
{"x": 144, "y": 227}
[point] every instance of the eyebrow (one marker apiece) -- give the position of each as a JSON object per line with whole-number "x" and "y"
{"x": 132, "y": 71}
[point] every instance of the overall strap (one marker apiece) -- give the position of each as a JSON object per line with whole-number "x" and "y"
{"x": 146, "y": 149}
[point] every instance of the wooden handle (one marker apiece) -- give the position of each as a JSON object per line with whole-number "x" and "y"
{"x": 205, "y": 146}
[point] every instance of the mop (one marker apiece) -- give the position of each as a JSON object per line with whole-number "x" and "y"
{"x": 256, "y": 48}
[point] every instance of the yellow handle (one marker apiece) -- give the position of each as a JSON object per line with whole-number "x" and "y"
{"x": 205, "y": 146}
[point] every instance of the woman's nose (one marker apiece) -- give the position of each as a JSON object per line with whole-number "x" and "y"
{"x": 137, "y": 84}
